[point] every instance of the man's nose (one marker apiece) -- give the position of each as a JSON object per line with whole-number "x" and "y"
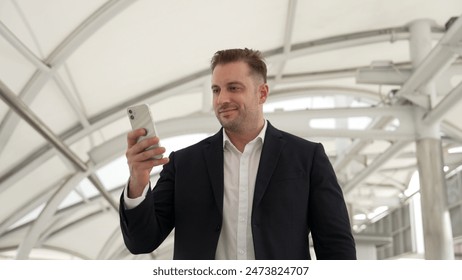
{"x": 223, "y": 97}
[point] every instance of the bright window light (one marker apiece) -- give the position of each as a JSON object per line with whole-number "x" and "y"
{"x": 414, "y": 185}
{"x": 393, "y": 125}
{"x": 322, "y": 123}
{"x": 29, "y": 217}
{"x": 84, "y": 189}
{"x": 300, "y": 104}
{"x": 416, "y": 211}
{"x": 114, "y": 174}
{"x": 418, "y": 224}
{"x": 360, "y": 217}
{"x": 455, "y": 150}
{"x": 377, "y": 211}
{"x": 359, "y": 123}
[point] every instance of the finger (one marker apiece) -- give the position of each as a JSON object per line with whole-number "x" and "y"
{"x": 141, "y": 166}
{"x": 145, "y": 144}
{"x": 132, "y": 136}
{"x": 149, "y": 154}
{"x": 161, "y": 161}
{"x": 138, "y": 167}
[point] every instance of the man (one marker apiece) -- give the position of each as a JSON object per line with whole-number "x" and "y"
{"x": 248, "y": 192}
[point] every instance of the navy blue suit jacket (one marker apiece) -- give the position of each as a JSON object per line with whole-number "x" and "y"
{"x": 296, "y": 192}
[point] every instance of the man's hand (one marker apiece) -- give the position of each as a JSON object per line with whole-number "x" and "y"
{"x": 140, "y": 161}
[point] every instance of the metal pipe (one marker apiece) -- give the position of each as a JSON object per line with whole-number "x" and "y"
{"x": 427, "y": 64}
{"x": 24, "y": 112}
{"x": 451, "y": 100}
{"x": 19, "y": 46}
{"x": 435, "y": 214}
{"x": 394, "y": 149}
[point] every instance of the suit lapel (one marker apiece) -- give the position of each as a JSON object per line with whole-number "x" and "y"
{"x": 270, "y": 153}
{"x": 213, "y": 153}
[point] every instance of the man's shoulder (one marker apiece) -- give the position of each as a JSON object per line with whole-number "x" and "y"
{"x": 297, "y": 146}
{"x": 201, "y": 144}
{"x": 291, "y": 138}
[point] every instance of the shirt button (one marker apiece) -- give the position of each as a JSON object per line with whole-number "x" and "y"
{"x": 242, "y": 252}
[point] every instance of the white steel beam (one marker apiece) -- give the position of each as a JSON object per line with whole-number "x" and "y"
{"x": 59, "y": 56}
{"x": 296, "y": 122}
{"x": 23, "y": 49}
{"x": 392, "y": 151}
{"x": 290, "y": 20}
{"x": 382, "y": 76}
{"x": 437, "y": 60}
{"x": 29, "y": 116}
{"x": 22, "y": 110}
{"x": 313, "y": 91}
{"x": 451, "y": 100}
{"x": 46, "y": 215}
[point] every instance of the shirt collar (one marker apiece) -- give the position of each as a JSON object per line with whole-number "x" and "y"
{"x": 260, "y": 135}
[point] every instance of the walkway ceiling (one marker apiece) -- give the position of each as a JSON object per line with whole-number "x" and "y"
{"x": 349, "y": 74}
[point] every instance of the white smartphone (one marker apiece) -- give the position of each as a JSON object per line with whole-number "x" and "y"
{"x": 140, "y": 117}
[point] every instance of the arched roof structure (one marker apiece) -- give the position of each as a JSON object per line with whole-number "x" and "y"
{"x": 343, "y": 73}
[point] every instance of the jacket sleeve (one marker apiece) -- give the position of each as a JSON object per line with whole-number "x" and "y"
{"x": 328, "y": 219}
{"x": 146, "y": 226}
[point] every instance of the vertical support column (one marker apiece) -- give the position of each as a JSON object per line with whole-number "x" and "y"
{"x": 438, "y": 240}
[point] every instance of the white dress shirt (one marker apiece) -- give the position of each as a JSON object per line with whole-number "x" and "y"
{"x": 240, "y": 173}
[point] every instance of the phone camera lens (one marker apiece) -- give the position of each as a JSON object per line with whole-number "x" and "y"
{"x": 130, "y": 111}
{"x": 132, "y": 117}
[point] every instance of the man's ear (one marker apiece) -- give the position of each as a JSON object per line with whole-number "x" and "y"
{"x": 263, "y": 91}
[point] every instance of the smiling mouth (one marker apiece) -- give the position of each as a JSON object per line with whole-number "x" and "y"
{"x": 226, "y": 110}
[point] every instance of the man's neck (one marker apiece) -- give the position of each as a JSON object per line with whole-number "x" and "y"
{"x": 241, "y": 138}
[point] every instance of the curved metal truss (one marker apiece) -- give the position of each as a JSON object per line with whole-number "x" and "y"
{"x": 374, "y": 163}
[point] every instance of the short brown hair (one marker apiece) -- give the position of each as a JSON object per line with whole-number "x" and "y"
{"x": 253, "y": 58}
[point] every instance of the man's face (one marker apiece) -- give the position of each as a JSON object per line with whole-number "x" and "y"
{"x": 238, "y": 96}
